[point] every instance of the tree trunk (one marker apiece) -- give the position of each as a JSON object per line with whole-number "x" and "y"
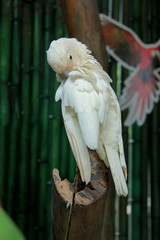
{"x": 79, "y": 215}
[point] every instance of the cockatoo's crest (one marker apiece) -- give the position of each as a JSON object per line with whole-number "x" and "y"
{"x": 64, "y": 54}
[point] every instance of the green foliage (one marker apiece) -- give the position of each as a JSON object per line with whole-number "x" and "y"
{"x": 8, "y": 229}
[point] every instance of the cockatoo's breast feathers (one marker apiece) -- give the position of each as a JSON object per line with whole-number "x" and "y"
{"x": 65, "y": 53}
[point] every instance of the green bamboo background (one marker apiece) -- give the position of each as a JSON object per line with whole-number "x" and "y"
{"x": 32, "y": 135}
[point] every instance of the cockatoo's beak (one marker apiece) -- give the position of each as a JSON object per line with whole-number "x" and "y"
{"x": 66, "y": 73}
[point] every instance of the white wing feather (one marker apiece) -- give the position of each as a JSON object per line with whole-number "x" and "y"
{"x": 89, "y": 124}
{"x": 83, "y": 99}
{"x": 79, "y": 148}
{"x": 80, "y": 112}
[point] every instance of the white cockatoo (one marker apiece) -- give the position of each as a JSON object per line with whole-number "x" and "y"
{"x": 90, "y": 109}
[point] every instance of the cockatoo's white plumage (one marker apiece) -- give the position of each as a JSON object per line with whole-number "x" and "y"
{"x": 90, "y": 109}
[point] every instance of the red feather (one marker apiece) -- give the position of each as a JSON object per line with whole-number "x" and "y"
{"x": 142, "y": 88}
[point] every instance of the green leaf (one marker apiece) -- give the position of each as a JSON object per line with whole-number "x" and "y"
{"x": 8, "y": 229}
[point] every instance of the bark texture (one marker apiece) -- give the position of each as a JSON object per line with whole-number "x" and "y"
{"x": 79, "y": 215}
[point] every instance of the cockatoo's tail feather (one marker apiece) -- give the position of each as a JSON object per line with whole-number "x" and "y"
{"x": 90, "y": 109}
{"x": 116, "y": 170}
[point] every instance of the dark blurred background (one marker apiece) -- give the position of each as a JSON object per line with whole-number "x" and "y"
{"x": 32, "y": 136}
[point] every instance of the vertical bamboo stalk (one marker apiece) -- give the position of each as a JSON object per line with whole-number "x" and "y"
{"x": 5, "y": 38}
{"x": 123, "y": 220}
{"x": 145, "y": 149}
{"x": 12, "y": 166}
{"x": 155, "y": 168}
{"x": 120, "y": 202}
{"x": 155, "y": 139}
{"x": 54, "y": 108}
{"x": 14, "y": 124}
{"x": 63, "y": 167}
{"x": 33, "y": 182}
{"x": 144, "y": 163}
{"x": 130, "y": 208}
{"x": 114, "y": 205}
{"x": 134, "y": 183}
{"x": 48, "y": 12}
{"x": 42, "y": 97}
{"x": 72, "y": 166}
{"x": 25, "y": 111}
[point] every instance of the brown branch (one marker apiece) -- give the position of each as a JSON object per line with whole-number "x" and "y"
{"x": 79, "y": 215}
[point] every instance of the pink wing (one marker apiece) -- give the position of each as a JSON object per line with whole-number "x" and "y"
{"x": 142, "y": 88}
{"x": 122, "y": 43}
{"x": 139, "y": 95}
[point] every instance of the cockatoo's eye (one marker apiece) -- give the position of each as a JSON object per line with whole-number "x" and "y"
{"x": 69, "y": 56}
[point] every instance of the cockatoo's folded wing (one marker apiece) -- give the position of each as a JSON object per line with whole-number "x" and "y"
{"x": 84, "y": 101}
{"x": 80, "y": 104}
{"x": 79, "y": 148}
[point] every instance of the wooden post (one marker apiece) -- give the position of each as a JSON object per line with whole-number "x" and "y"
{"x": 79, "y": 214}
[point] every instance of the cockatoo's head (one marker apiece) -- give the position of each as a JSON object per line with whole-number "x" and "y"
{"x": 66, "y": 53}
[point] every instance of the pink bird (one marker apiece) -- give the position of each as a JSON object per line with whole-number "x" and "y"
{"x": 142, "y": 87}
